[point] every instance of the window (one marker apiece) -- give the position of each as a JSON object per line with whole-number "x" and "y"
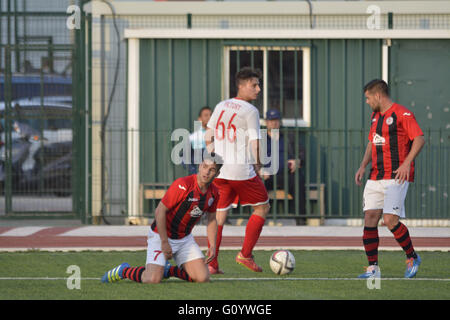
{"x": 285, "y": 83}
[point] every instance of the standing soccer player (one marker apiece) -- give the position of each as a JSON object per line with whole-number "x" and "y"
{"x": 395, "y": 140}
{"x": 184, "y": 203}
{"x": 234, "y": 125}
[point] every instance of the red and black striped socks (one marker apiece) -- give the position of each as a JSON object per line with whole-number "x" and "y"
{"x": 401, "y": 234}
{"x": 371, "y": 242}
{"x": 133, "y": 273}
{"x": 175, "y": 271}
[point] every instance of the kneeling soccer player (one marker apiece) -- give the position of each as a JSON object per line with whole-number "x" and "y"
{"x": 170, "y": 234}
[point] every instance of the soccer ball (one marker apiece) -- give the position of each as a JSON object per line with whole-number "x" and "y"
{"x": 282, "y": 262}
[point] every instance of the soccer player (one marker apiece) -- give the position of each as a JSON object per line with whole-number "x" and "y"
{"x": 395, "y": 139}
{"x": 186, "y": 200}
{"x": 234, "y": 127}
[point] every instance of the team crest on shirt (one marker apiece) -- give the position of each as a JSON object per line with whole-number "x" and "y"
{"x": 210, "y": 201}
{"x": 378, "y": 140}
{"x": 389, "y": 121}
{"x": 196, "y": 212}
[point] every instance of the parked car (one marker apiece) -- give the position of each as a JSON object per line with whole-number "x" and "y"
{"x": 41, "y": 145}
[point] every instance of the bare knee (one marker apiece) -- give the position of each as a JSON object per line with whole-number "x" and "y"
{"x": 262, "y": 210}
{"x": 202, "y": 278}
{"x": 371, "y": 218}
{"x": 197, "y": 270}
{"x": 390, "y": 220}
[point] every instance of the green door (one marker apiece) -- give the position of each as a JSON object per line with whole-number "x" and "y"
{"x": 419, "y": 80}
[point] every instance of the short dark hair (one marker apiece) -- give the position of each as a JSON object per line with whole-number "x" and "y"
{"x": 378, "y": 86}
{"x": 247, "y": 73}
{"x": 214, "y": 157}
{"x": 203, "y": 109}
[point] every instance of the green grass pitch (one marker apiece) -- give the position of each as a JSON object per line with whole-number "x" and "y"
{"x": 317, "y": 275}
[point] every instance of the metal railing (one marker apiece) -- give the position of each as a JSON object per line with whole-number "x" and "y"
{"x": 41, "y": 94}
{"x": 332, "y": 158}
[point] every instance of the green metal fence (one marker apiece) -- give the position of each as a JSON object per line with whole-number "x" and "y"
{"x": 332, "y": 159}
{"x": 338, "y": 154}
{"x": 42, "y": 112}
{"x": 38, "y": 43}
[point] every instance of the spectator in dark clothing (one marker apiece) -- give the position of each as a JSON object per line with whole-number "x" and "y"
{"x": 286, "y": 158}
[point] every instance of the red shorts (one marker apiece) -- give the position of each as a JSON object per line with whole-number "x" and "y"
{"x": 251, "y": 192}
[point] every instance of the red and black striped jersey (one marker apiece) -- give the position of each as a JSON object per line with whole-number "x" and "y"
{"x": 186, "y": 204}
{"x": 391, "y": 134}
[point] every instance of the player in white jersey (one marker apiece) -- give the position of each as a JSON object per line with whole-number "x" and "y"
{"x": 234, "y": 125}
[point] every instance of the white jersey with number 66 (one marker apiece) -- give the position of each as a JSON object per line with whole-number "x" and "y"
{"x": 235, "y": 123}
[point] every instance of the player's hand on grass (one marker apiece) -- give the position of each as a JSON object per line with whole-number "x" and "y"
{"x": 166, "y": 249}
{"x": 211, "y": 254}
{"x": 402, "y": 173}
{"x": 359, "y": 176}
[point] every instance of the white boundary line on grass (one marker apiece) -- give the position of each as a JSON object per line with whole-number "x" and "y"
{"x": 244, "y": 279}
{"x": 78, "y": 249}
{"x": 324, "y": 279}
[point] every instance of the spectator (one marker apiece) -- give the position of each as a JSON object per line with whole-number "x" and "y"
{"x": 273, "y": 121}
{"x": 197, "y": 138}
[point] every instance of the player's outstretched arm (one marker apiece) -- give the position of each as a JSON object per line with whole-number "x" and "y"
{"x": 160, "y": 217}
{"x": 211, "y": 231}
{"x": 362, "y": 168}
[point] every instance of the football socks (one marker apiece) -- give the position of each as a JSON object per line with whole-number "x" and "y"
{"x": 252, "y": 232}
{"x": 371, "y": 242}
{"x": 175, "y": 271}
{"x": 133, "y": 273}
{"x": 401, "y": 234}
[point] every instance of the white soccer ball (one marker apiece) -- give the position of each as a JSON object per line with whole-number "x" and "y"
{"x": 282, "y": 262}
